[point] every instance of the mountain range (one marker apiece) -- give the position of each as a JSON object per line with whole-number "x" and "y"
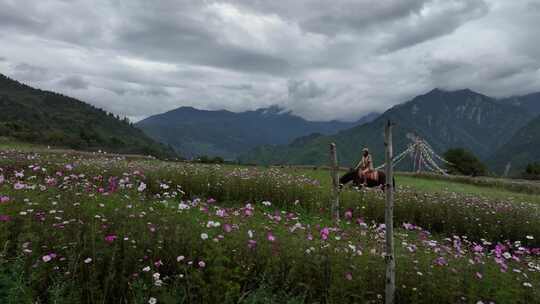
{"x": 37, "y": 116}
{"x": 499, "y": 131}
{"x": 193, "y": 132}
{"x": 446, "y": 119}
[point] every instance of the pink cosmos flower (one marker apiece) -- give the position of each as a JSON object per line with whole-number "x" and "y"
{"x": 408, "y": 226}
{"x": 5, "y": 218}
{"x": 202, "y": 264}
{"x": 478, "y": 248}
{"x": 252, "y": 244}
{"x": 479, "y": 275}
{"x": 110, "y": 238}
{"x": 324, "y": 233}
{"x": 348, "y": 214}
{"x": 441, "y": 261}
{"x": 270, "y": 237}
{"x": 348, "y": 276}
{"x": 18, "y": 186}
{"x": 48, "y": 257}
{"x": 248, "y": 212}
{"x": 4, "y": 199}
{"x": 227, "y": 228}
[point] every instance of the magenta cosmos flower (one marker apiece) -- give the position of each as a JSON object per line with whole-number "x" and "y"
{"x": 110, "y": 238}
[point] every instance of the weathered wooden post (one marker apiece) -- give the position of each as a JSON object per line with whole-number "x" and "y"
{"x": 335, "y": 182}
{"x": 390, "y": 288}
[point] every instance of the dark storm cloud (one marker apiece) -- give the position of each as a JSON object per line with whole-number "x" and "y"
{"x": 323, "y": 60}
{"x": 304, "y": 89}
{"x": 30, "y": 72}
{"x": 440, "y": 23}
{"x": 163, "y": 37}
{"x": 237, "y": 87}
{"x": 75, "y": 82}
{"x": 534, "y": 5}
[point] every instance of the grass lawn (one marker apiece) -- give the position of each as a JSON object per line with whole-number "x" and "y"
{"x": 431, "y": 185}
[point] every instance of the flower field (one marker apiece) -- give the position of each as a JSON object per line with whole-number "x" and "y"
{"x": 100, "y": 229}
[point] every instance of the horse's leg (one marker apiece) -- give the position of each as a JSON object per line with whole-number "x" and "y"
{"x": 346, "y": 178}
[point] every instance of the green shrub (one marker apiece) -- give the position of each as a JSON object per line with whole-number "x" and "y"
{"x": 464, "y": 162}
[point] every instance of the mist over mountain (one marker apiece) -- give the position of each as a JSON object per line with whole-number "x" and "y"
{"x": 192, "y": 132}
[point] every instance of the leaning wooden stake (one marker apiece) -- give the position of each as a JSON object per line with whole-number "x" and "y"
{"x": 335, "y": 182}
{"x": 389, "y": 218}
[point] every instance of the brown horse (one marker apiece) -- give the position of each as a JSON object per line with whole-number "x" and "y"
{"x": 352, "y": 175}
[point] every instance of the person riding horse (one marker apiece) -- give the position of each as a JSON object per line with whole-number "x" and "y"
{"x": 363, "y": 174}
{"x": 365, "y": 166}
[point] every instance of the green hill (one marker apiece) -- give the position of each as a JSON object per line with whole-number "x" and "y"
{"x": 522, "y": 149}
{"x": 37, "y": 116}
{"x": 445, "y": 119}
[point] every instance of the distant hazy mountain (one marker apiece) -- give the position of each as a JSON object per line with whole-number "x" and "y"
{"x": 445, "y": 119}
{"x": 530, "y": 102}
{"x": 522, "y": 149}
{"x": 193, "y": 132}
{"x": 37, "y": 116}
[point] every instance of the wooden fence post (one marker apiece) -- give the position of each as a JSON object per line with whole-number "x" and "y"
{"x": 389, "y": 218}
{"x": 335, "y": 182}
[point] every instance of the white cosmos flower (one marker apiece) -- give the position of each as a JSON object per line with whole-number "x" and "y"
{"x": 204, "y": 236}
{"x": 152, "y": 300}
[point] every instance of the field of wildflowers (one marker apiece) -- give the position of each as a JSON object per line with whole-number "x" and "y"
{"x": 101, "y": 229}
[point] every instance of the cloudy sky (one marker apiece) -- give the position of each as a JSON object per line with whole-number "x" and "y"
{"x": 321, "y": 59}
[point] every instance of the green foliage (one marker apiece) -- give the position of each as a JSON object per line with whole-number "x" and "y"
{"x": 464, "y": 162}
{"x": 204, "y": 159}
{"x": 532, "y": 171}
